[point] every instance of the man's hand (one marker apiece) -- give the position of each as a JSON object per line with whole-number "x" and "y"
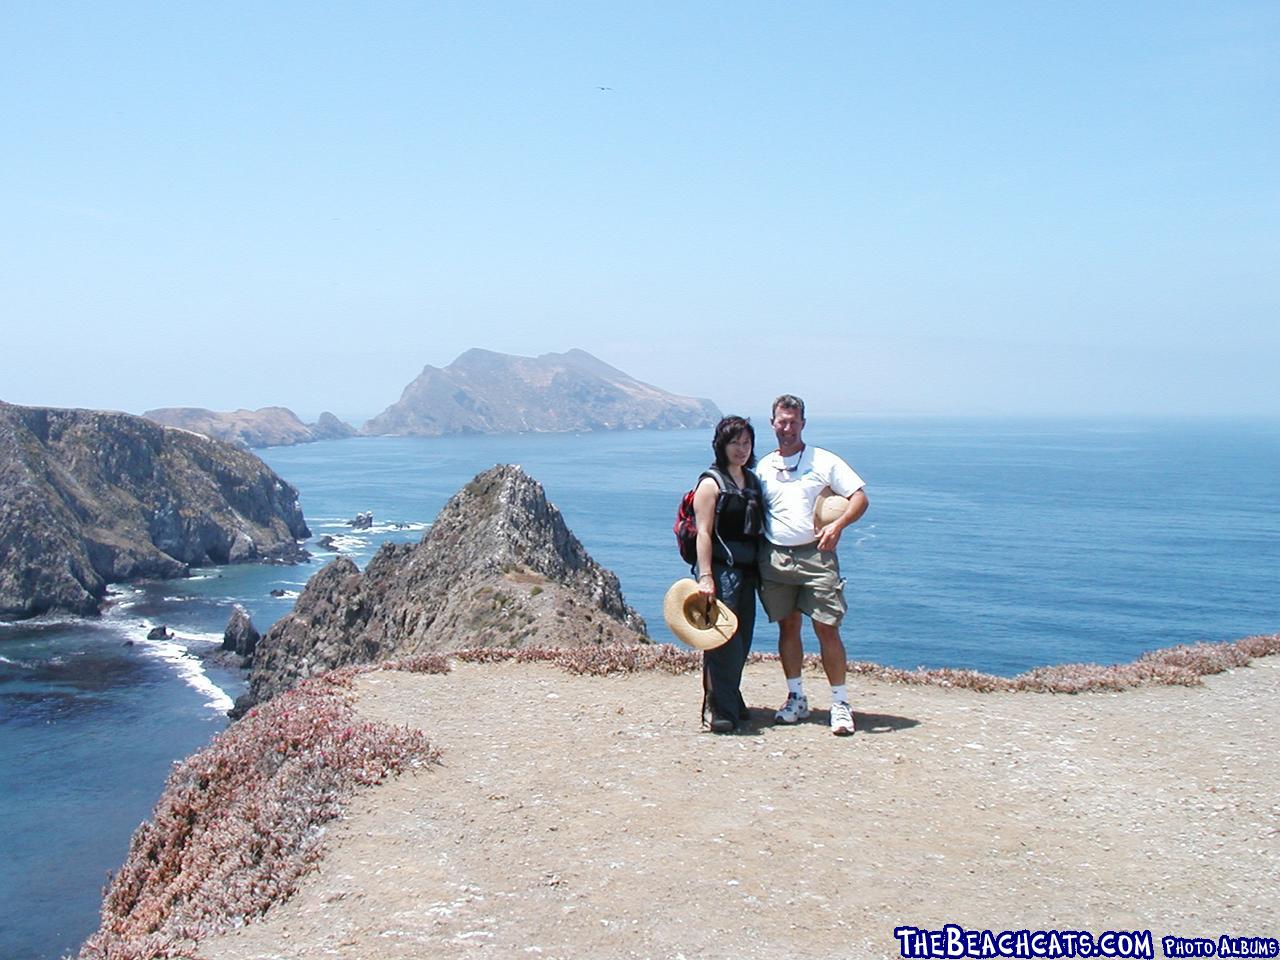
{"x": 829, "y": 537}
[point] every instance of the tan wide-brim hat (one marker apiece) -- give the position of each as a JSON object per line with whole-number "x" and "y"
{"x": 685, "y": 610}
{"x": 830, "y": 506}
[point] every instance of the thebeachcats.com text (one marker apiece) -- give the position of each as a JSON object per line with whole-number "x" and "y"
{"x": 1222, "y": 946}
{"x": 955, "y": 941}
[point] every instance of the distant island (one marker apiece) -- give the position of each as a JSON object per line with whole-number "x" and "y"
{"x": 480, "y": 392}
{"x": 268, "y": 427}
{"x": 487, "y": 392}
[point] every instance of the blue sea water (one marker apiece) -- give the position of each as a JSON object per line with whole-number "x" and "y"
{"x": 996, "y": 545}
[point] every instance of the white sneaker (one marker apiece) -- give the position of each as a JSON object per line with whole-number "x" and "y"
{"x": 841, "y": 719}
{"x": 793, "y": 711}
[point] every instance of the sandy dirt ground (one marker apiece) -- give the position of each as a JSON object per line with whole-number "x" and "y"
{"x": 590, "y": 817}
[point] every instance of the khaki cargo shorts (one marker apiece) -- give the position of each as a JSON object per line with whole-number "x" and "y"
{"x": 802, "y": 578}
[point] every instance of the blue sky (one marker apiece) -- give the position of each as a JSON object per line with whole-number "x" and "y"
{"x": 907, "y": 208}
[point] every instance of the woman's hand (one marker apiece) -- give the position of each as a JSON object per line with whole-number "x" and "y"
{"x": 707, "y": 587}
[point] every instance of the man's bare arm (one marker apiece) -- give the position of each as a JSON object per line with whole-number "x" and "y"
{"x": 829, "y": 536}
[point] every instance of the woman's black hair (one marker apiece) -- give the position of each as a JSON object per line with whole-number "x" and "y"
{"x": 726, "y": 431}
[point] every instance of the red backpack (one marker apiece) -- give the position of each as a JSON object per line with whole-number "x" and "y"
{"x": 686, "y": 525}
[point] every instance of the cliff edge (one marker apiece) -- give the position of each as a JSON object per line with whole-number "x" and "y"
{"x": 592, "y": 805}
{"x": 498, "y": 568}
{"x": 89, "y": 498}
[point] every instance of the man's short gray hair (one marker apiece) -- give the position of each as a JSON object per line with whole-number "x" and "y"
{"x": 788, "y": 401}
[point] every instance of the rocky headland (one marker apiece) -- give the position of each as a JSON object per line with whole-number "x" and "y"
{"x": 267, "y": 427}
{"x": 497, "y": 569}
{"x": 89, "y": 498}
{"x": 487, "y": 392}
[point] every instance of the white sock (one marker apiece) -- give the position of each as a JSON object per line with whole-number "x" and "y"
{"x": 795, "y": 685}
{"x": 839, "y": 694}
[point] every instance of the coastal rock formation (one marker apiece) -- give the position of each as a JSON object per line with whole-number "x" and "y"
{"x": 268, "y": 427}
{"x": 498, "y": 568}
{"x": 240, "y": 635}
{"x": 487, "y": 392}
{"x": 89, "y": 498}
{"x": 329, "y": 427}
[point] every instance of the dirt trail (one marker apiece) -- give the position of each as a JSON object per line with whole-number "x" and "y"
{"x": 589, "y": 817}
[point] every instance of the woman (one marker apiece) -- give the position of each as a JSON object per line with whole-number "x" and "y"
{"x": 730, "y": 519}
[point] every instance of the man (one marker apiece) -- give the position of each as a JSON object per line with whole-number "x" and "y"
{"x": 799, "y": 569}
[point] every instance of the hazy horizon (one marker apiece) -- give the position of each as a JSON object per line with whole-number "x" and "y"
{"x": 756, "y": 407}
{"x": 915, "y": 210}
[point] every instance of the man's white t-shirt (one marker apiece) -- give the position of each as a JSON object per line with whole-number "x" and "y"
{"x": 791, "y": 487}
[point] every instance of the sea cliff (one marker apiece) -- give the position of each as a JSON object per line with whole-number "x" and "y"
{"x": 89, "y": 498}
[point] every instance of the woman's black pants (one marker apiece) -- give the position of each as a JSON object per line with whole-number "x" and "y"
{"x": 722, "y": 667}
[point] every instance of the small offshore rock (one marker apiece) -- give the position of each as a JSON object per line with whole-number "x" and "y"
{"x": 240, "y": 634}
{"x": 329, "y": 427}
{"x": 159, "y": 633}
{"x": 362, "y": 521}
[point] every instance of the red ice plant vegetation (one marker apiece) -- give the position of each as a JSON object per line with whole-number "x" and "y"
{"x": 1181, "y": 665}
{"x": 598, "y": 661}
{"x": 240, "y": 822}
{"x": 1175, "y": 666}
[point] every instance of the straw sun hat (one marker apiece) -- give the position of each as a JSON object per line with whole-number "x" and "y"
{"x": 685, "y": 610}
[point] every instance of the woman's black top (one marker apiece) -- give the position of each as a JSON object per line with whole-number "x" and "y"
{"x": 739, "y": 519}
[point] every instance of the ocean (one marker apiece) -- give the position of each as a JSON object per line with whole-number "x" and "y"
{"x": 997, "y": 545}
